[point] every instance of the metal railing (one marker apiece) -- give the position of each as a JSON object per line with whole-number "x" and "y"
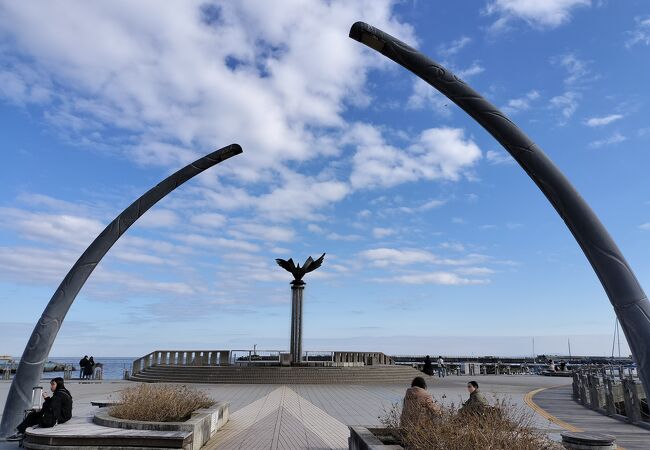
{"x": 180, "y": 358}
{"x": 612, "y": 390}
{"x": 248, "y": 357}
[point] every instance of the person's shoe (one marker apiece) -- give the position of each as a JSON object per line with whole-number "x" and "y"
{"x": 16, "y": 437}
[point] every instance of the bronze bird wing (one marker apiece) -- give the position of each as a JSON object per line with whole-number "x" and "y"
{"x": 311, "y": 265}
{"x": 289, "y": 265}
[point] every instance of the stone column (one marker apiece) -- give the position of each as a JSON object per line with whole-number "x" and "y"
{"x": 297, "y": 289}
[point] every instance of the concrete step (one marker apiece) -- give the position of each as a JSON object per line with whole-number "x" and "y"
{"x": 279, "y": 375}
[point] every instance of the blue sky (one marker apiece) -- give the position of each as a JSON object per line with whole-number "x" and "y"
{"x": 436, "y": 241}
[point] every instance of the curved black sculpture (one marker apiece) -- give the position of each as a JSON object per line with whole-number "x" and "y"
{"x": 39, "y": 345}
{"x": 626, "y": 295}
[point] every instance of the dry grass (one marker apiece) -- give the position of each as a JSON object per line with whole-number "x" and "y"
{"x": 160, "y": 403}
{"x": 503, "y": 426}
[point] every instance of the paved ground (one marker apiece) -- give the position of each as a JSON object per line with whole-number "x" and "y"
{"x": 312, "y": 416}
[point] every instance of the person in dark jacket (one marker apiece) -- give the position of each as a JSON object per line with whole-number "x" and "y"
{"x": 82, "y": 366}
{"x": 56, "y": 409}
{"x": 428, "y": 367}
{"x": 90, "y": 366}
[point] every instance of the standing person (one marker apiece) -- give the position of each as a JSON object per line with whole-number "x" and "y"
{"x": 418, "y": 403}
{"x": 82, "y": 366}
{"x": 441, "y": 367}
{"x": 428, "y": 367}
{"x": 88, "y": 370}
{"x": 56, "y": 409}
{"x": 476, "y": 401}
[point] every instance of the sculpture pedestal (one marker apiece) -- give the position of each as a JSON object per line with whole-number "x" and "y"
{"x": 295, "y": 346}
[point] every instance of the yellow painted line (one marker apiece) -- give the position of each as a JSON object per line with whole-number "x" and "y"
{"x": 528, "y": 399}
{"x": 542, "y": 412}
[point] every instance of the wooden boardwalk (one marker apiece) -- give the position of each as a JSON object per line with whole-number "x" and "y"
{"x": 281, "y": 420}
{"x": 558, "y": 405}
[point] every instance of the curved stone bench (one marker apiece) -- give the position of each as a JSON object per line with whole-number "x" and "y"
{"x": 203, "y": 423}
{"x": 81, "y": 433}
{"x": 103, "y": 431}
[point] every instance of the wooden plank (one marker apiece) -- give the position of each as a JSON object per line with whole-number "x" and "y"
{"x": 559, "y": 402}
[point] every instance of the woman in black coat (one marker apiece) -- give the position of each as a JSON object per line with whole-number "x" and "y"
{"x": 56, "y": 409}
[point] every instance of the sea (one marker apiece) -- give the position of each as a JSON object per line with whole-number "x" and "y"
{"x": 113, "y": 366}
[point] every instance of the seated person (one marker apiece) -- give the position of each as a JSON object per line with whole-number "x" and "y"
{"x": 56, "y": 409}
{"x": 476, "y": 401}
{"x": 418, "y": 402}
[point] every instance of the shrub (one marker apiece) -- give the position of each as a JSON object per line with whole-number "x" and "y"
{"x": 502, "y": 426}
{"x": 160, "y": 403}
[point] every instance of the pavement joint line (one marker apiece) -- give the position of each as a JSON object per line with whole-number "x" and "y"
{"x": 528, "y": 399}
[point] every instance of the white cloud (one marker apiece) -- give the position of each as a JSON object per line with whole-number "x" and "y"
{"x": 66, "y": 229}
{"x": 516, "y": 105}
{"x": 208, "y": 220}
{"x": 424, "y": 95}
{"x": 437, "y": 154}
{"x": 578, "y": 72}
{"x": 315, "y": 228}
{"x": 543, "y": 14}
{"x": 600, "y": 121}
{"x": 380, "y": 233}
{"x": 454, "y": 46}
{"x": 158, "y": 218}
{"x": 176, "y": 81}
{"x": 499, "y": 157}
{"x": 472, "y": 70}
{"x": 567, "y": 103}
{"x": 645, "y": 226}
{"x": 268, "y": 233}
{"x": 613, "y": 139}
{"x": 641, "y": 32}
{"x": 426, "y": 206}
{"x": 442, "y": 278}
{"x": 200, "y": 241}
{"x": 385, "y": 257}
{"x": 343, "y": 237}
{"x": 455, "y": 246}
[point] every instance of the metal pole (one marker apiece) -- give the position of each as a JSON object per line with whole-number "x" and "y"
{"x": 623, "y": 289}
{"x": 297, "y": 290}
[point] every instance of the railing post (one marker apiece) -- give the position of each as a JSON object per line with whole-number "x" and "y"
{"x": 610, "y": 407}
{"x": 632, "y": 404}
{"x": 594, "y": 398}
{"x": 576, "y": 385}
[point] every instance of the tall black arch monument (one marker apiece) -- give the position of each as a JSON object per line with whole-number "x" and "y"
{"x": 38, "y": 347}
{"x": 624, "y": 291}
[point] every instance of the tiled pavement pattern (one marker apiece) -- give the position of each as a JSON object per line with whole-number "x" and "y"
{"x": 281, "y": 420}
{"x": 319, "y": 407}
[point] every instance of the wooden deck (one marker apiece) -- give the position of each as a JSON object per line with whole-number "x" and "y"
{"x": 557, "y": 405}
{"x": 281, "y": 420}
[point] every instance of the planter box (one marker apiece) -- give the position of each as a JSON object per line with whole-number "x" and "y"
{"x": 203, "y": 423}
{"x": 362, "y": 438}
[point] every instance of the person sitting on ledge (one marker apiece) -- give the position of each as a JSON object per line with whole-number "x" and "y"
{"x": 56, "y": 409}
{"x": 476, "y": 401}
{"x": 417, "y": 402}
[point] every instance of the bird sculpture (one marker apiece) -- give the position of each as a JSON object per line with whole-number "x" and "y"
{"x": 297, "y": 271}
